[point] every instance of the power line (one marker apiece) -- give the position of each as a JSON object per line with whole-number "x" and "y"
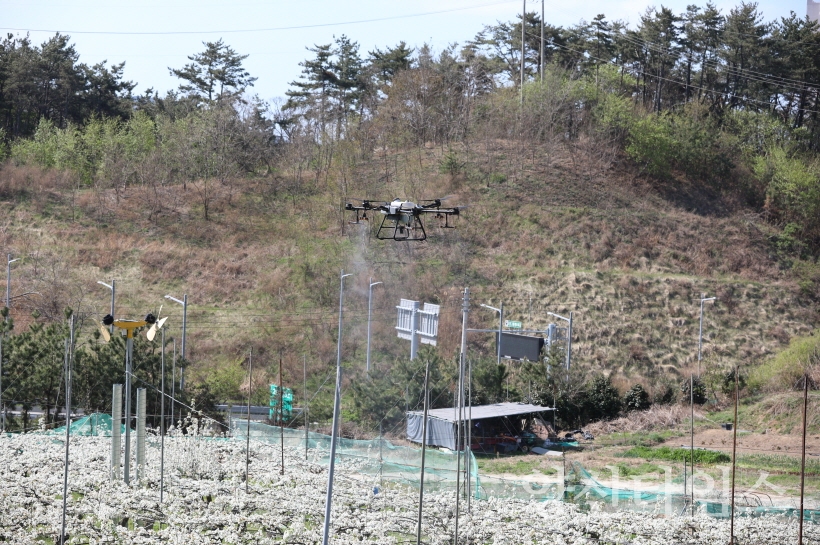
{"x": 252, "y": 30}
{"x": 716, "y": 63}
{"x": 642, "y": 72}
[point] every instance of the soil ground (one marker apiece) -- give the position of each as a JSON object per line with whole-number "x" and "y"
{"x": 750, "y": 442}
{"x": 768, "y": 466}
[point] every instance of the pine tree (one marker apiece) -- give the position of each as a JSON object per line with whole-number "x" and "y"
{"x": 214, "y": 74}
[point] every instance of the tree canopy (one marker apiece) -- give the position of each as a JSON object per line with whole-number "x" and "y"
{"x": 214, "y": 74}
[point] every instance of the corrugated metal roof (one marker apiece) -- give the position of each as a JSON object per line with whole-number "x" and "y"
{"x": 481, "y": 412}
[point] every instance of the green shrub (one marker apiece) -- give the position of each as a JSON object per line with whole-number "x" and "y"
{"x": 792, "y": 188}
{"x": 665, "y": 395}
{"x": 450, "y": 164}
{"x": 678, "y": 455}
{"x": 636, "y": 399}
{"x": 727, "y": 385}
{"x": 650, "y": 143}
{"x": 602, "y": 399}
{"x": 786, "y": 368}
{"x": 698, "y": 395}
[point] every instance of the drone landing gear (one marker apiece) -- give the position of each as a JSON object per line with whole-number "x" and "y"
{"x": 444, "y": 221}
{"x": 391, "y": 229}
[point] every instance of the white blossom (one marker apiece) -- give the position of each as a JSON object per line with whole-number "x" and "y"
{"x": 205, "y": 502}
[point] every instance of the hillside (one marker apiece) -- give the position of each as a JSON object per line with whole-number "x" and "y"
{"x": 542, "y": 233}
{"x": 605, "y": 183}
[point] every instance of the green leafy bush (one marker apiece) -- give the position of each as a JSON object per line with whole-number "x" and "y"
{"x": 450, "y": 164}
{"x": 698, "y": 391}
{"x": 792, "y": 188}
{"x": 651, "y": 144}
{"x": 701, "y": 456}
{"x": 785, "y": 368}
{"x": 636, "y": 399}
{"x": 602, "y": 399}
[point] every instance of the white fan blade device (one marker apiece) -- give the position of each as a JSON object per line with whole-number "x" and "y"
{"x": 152, "y": 332}
{"x": 105, "y": 335}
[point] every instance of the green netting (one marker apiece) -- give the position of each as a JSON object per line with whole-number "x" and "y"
{"x": 96, "y": 424}
{"x": 577, "y": 485}
{"x": 402, "y": 465}
{"x": 375, "y": 457}
{"x": 570, "y": 483}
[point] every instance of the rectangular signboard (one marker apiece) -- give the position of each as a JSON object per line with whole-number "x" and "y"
{"x": 521, "y": 347}
{"x": 513, "y": 324}
{"x": 428, "y": 323}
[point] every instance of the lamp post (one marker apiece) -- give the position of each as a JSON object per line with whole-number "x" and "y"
{"x": 9, "y": 261}
{"x": 184, "y": 303}
{"x": 703, "y": 299}
{"x": 369, "y": 314}
{"x": 569, "y": 336}
{"x": 336, "y": 403}
{"x": 500, "y": 312}
{"x": 113, "y": 288}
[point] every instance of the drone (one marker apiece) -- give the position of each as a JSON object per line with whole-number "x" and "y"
{"x": 402, "y": 219}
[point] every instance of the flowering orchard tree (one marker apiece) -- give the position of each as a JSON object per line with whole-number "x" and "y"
{"x": 205, "y": 502}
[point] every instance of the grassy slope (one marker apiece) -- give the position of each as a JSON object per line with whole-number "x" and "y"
{"x": 547, "y": 230}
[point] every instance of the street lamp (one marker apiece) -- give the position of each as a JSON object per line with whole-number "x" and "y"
{"x": 703, "y": 299}
{"x": 500, "y": 312}
{"x": 113, "y": 288}
{"x": 569, "y": 336}
{"x": 9, "y": 261}
{"x": 336, "y": 403}
{"x": 184, "y": 303}
{"x": 369, "y": 314}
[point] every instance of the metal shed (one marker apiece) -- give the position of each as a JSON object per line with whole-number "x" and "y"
{"x": 442, "y": 423}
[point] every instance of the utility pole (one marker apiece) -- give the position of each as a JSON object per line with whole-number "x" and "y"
{"x": 369, "y": 320}
{"x": 69, "y": 348}
{"x": 336, "y": 410}
{"x": 281, "y": 416}
{"x": 523, "y": 41}
{"x": 67, "y": 370}
{"x": 162, "y": 423}
{"x": 184, "y": 303}
{"x": 423, "y": 448}
{"x": 802, "y": 455}
{"x": 541, "y": 63}
{"x": 703, "y": 299}
{"x": 305, "y": 413}
{"x": 469, "y": 429}
{"x": 113, "y": 288}
{"x": 173, "y": 383}
{"x": 692, "y": 438}
{"x": 2, "y": 407}
{"x": 248, "y": 422}
{"x": 465, "y": 313}
{"x": 9, "y": 261}
{"x": 734, "y": 466}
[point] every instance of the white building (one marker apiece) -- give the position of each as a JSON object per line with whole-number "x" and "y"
{"x": 813, "y": 10}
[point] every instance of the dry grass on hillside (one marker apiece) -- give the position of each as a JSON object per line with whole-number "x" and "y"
{"x": 658, "y": 417}
{"x": 548, "y": 229}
